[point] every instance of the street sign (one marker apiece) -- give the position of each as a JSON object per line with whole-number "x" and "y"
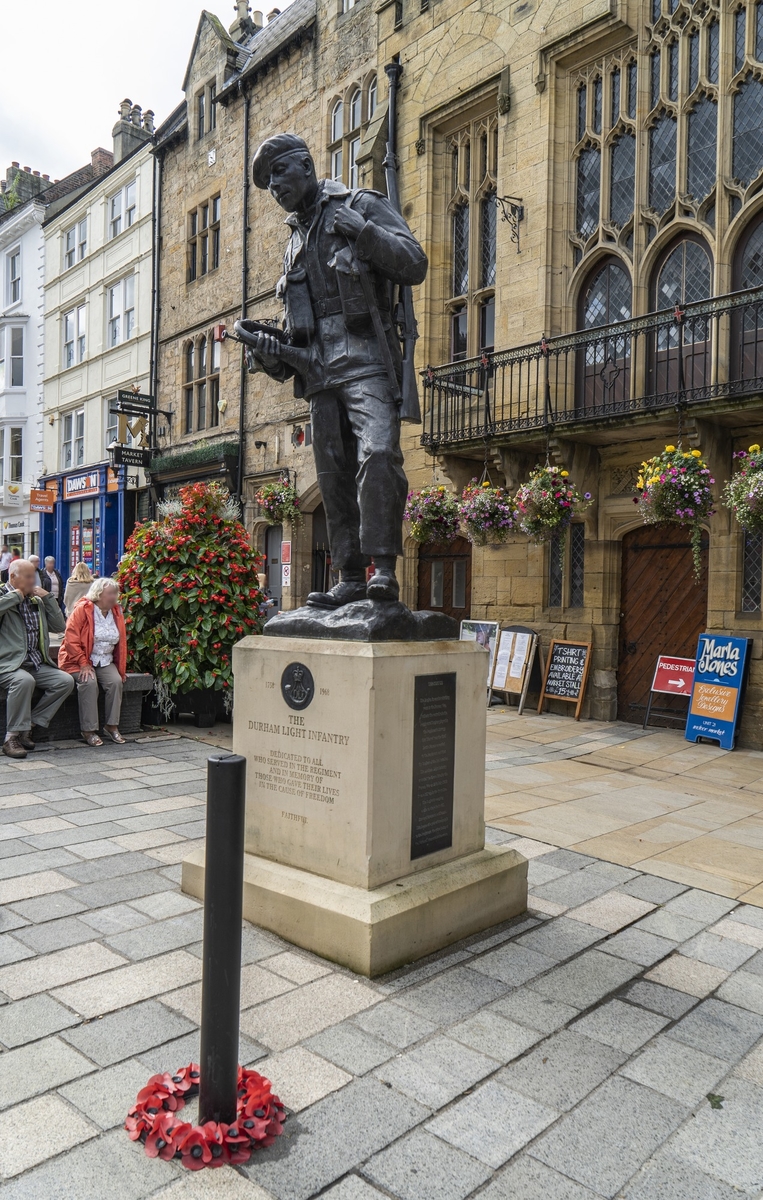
{"x": 135, "y": 399}
{"x": 131, "y": 456}
{"x": 41, "y": 500}
{"x": 720, "y": 675}
{"x": 673, "y": 676}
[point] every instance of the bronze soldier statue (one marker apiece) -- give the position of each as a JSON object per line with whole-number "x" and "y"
{"x": 348, "y": 247}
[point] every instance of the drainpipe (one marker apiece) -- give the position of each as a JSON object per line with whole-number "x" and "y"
{"x": 244, "y": 283}
{"x": 156, "y": 214}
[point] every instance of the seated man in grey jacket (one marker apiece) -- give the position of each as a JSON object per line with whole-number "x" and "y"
{"x": 27, "y": 614}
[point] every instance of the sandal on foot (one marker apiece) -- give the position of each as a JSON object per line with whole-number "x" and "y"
{"x": 92, "y": 739}
{"x": 115, "y": 735}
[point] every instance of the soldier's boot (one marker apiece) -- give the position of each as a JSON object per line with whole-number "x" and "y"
{"x": 383, "y": 583}
{"x": 352, "y": 586}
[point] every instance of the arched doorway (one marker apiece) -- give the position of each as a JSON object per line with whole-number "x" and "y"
{"x": 445, "y": 578}
{"x": 662, "y": 611}
{"x": 273, "y": 539}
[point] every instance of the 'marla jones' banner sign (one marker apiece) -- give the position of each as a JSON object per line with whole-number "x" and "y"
{"x": 720, "y": 675}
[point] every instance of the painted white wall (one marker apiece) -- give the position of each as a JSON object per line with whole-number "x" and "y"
{"x": 92, "y": 383}
{"x": 21, "y": 407}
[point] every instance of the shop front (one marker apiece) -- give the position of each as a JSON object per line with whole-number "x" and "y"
{"x": 92, "y": 517}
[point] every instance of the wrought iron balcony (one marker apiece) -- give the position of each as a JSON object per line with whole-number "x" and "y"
{"x": 702, "y": 353}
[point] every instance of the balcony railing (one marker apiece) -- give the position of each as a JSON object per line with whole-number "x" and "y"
{"x": 703, "y": 352}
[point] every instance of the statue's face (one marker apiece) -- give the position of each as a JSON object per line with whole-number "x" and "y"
{"x": 292, "y": 181}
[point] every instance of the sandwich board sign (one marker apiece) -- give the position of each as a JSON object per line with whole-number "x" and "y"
{"x": 720, "y": 675}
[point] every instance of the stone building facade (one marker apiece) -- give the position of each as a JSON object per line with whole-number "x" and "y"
{"x": 622, "y": 143}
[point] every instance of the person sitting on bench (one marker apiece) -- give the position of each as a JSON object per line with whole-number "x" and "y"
{"x": 27, "y": 615}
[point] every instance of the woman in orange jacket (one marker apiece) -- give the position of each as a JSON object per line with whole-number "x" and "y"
{"x": 94, "y": 651}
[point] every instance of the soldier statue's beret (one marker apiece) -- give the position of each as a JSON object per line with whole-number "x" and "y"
{"x": 274, "y": 148}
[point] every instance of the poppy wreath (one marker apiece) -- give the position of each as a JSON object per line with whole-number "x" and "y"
{"x": 153, "y": 1120}
{"x": 675, "y": 487}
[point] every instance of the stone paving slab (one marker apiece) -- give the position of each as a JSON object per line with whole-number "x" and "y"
{"x": 556, "y": 1057}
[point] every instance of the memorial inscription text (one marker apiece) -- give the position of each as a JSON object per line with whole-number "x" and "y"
{"x": 434, "y": 752}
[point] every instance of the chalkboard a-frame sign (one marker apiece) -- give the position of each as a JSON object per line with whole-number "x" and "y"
{"x": 566, "y": 673}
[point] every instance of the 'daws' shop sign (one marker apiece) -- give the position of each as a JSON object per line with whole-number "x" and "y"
{"x": 720, "y": 675}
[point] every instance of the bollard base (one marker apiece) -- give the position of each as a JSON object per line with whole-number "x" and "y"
{"x": 372, "y": 931}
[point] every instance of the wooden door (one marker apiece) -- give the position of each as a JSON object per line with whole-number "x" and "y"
{"x": 662, "y": 611}
{"x": 445, "y": 578}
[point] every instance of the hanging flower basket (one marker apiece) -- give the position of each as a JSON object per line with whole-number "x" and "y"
{"x": 488, "y": 514}
{"x": 675, "y": 488}
{"x": 153, "y": 1120}
{"x": 547, "y": 503}
{"x": 433, "y": 514}
{"x": 743, "y": 493}
{"x": 280, "y": 502}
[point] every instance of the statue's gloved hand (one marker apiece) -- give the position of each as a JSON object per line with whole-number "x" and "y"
{"x": 349, "y": 222}
{"x": 265, "y": 354}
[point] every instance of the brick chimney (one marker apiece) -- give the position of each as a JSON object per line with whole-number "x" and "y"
{"x": 22, "y": 184}
{"x": 131, "y": 130}
{"x": 102, "y": 161}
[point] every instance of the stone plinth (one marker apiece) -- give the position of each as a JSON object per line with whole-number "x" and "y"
{"x": 365, "y": 798}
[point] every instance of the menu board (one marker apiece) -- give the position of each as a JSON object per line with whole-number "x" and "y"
{"x": 566, "y": 673}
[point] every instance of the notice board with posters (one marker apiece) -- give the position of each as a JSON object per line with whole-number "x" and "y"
{"x": 566, "y": 673}
{"x": 720, "y": 677}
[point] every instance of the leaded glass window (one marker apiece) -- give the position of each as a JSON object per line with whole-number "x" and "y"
{"x": 739, "y": 37}
{"x": 632, "y": 92}
{"x": 686, "y": 276}
{"x": 597, "y": 105}
{"x": 752, "y": 571}
{"x": 461, "y": 250}
{"x": 752, "y": 260}
{"x": 615, "y": 98}
{"x": 608, "y": 297}
{"x": 589, "y": 168}
{"x": 662, "y": 163}
{"x": 673, "y": 70}
{"x": 488, "y": 215}
{"x": 622, "y": 180}
{"x": 655, "y": 77}
{"x": 656, "y": 9}
{"x": 577, "y": 564}
{"x": 759, "y": 31}
{"x": 748, "y": 131}
{"x": 701, "y": 149}
{"x": 555, "y": 574}
{"x": 712, "y": 51}
{"x": 582, "y": 93}
{"x": 693, "y": 60}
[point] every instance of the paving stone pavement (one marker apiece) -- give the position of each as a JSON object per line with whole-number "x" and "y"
{"x": 570, "y": 1054}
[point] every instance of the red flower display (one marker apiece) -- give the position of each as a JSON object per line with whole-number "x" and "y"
{"x": 152, "y": 1120}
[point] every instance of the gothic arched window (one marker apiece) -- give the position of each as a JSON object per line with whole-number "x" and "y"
{"x": 701, "y": 148}
{"x": 607, "y": 298}
{"x": 750, "y": 259}
{"x": 662, "y": 163}
{"x": 747, "y": 322}
{"x": 622, "y": 179}
{"x": 589, "y": 171}
{"x": 748, "y": 131}
{"x": 685, "y": 276}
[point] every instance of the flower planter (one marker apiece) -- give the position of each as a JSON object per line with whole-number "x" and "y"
{"x": 674, "y": 488}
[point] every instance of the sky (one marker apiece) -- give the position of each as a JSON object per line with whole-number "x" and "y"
{"x": 67, "y": 64}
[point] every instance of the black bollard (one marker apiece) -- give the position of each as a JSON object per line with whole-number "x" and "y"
{"x": 221, "y": 975}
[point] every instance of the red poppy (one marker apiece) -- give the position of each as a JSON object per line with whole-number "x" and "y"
{"x": 195, "y": 1149}
{"x": 162, "y": 1140}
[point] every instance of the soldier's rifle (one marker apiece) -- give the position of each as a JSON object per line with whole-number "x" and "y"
{"x": 405, "y": 318}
